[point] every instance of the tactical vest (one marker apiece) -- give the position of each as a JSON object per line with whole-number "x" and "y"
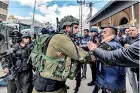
{"x": 65, "y": 67}
{"x": 21, "y": 58}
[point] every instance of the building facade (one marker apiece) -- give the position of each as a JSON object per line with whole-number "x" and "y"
{"x": 117, "y": 13}
{"x": 3, "y": 9}
{"x": 24, "y": 21}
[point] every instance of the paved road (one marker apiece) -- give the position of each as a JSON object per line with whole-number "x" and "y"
{"x": 83, "y": 89}
{"x": 86, "y": 89}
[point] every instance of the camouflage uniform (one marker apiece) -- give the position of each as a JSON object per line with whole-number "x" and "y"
{"x": 57, "y": 70}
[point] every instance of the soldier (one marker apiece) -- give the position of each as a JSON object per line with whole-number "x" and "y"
{"x": 15, "y": 35}
{"x": 58, "y": 64}
{"x": 21, "y": 81}
{"x": 85, "y": 39}
{"x": 94, "y": 38}
{"x": 78, "y": 39}
{"x": 78, "y": 72}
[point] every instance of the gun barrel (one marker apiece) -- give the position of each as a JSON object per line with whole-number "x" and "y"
{"x": 7, "y": 52}
{"x": 2, "y": 54}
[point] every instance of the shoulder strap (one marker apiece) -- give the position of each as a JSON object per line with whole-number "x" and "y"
{"x": 46, "y": 43}
{"x": 76, "y": 48}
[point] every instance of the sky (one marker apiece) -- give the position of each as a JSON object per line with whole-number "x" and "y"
{"x": 48, "y": 10}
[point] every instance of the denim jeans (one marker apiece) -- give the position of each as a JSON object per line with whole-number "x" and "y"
{"x": 133, "y": 81}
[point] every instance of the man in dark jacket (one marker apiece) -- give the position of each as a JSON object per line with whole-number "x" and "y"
{"x": 110, "y": 78}
{"x": 133, "y": 72}
{"x": 128, "y": 57}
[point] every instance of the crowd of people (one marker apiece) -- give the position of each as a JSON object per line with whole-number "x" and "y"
{"x": 111, "y": 53}
{"x": 112, "y": 78}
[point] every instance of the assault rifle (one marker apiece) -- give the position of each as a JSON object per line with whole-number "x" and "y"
{"x": 12, "y": 75}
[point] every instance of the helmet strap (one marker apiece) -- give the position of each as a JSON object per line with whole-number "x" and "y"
{"x": 71, "y": 31}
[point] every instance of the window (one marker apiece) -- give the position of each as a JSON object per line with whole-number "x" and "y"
{"x": 2, "y": 16}
{"x": 3, "y": 5}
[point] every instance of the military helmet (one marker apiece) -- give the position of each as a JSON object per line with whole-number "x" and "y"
{"x": 68, "y": 21}
{"x": 47, "y": 31}
{"x": 94, "y": 30}
{"x": 79, "y": 36}
{"x": 15, "y": 33}
{"x": 27, "y": 33}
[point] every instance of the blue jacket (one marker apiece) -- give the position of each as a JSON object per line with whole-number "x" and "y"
{"x": 111, "y": 77}
{"x": 86, "y": 39}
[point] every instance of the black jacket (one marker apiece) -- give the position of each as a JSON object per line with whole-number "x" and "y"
{"x": 128, "y": 57}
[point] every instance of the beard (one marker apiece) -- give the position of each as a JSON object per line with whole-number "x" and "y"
{"x": 70, "y": 34}
{"x": 86, "y": 35}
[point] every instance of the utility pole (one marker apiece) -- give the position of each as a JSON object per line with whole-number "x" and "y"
{"x": 81, "y": 18}
{"x": 90, "y": 4}
{"x": 81, "y": 2}
{"x": 90, "y": 14}
{"x": 33, "y": 16}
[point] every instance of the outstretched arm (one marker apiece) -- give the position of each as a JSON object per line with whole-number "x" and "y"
{"x": 122, "y": 57}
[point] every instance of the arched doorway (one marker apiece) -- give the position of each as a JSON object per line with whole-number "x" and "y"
{"x": 121, "y": 18}
{"x": 123, "y": 21}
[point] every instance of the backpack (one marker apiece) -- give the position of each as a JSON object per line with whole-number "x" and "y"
{"x": 38, "y": 54}
{"x": 38, "y": 57}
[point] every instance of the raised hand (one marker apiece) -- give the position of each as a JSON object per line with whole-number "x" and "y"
{"x": 91, "y": 46}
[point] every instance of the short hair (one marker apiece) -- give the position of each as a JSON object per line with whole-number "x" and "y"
{"x": 86, "y": 30}
{"x": 126, "y": 28}
{"x": 114, "y": 30}
{"x": 135, "y": 27}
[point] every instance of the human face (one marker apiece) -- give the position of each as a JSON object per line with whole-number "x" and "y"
{"x": 26, "y": 40}
{"x": 78, "y": 39}
{"x": 127, "y": 31}
{"x": 133, "y": 31}
{"x": 106, "y": 32}
{"x": 119, "y": 33}
{"x": 93, "y": 33}
{"x": 85, "y": 33}
{"x": 75, "y": 29}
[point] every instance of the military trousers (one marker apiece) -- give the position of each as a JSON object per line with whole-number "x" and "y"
{"x": 24, "y": 82}
{"x": 93, "y": 71}
{"x": 78, "y": 77}
{"x": 84, "y": 67}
